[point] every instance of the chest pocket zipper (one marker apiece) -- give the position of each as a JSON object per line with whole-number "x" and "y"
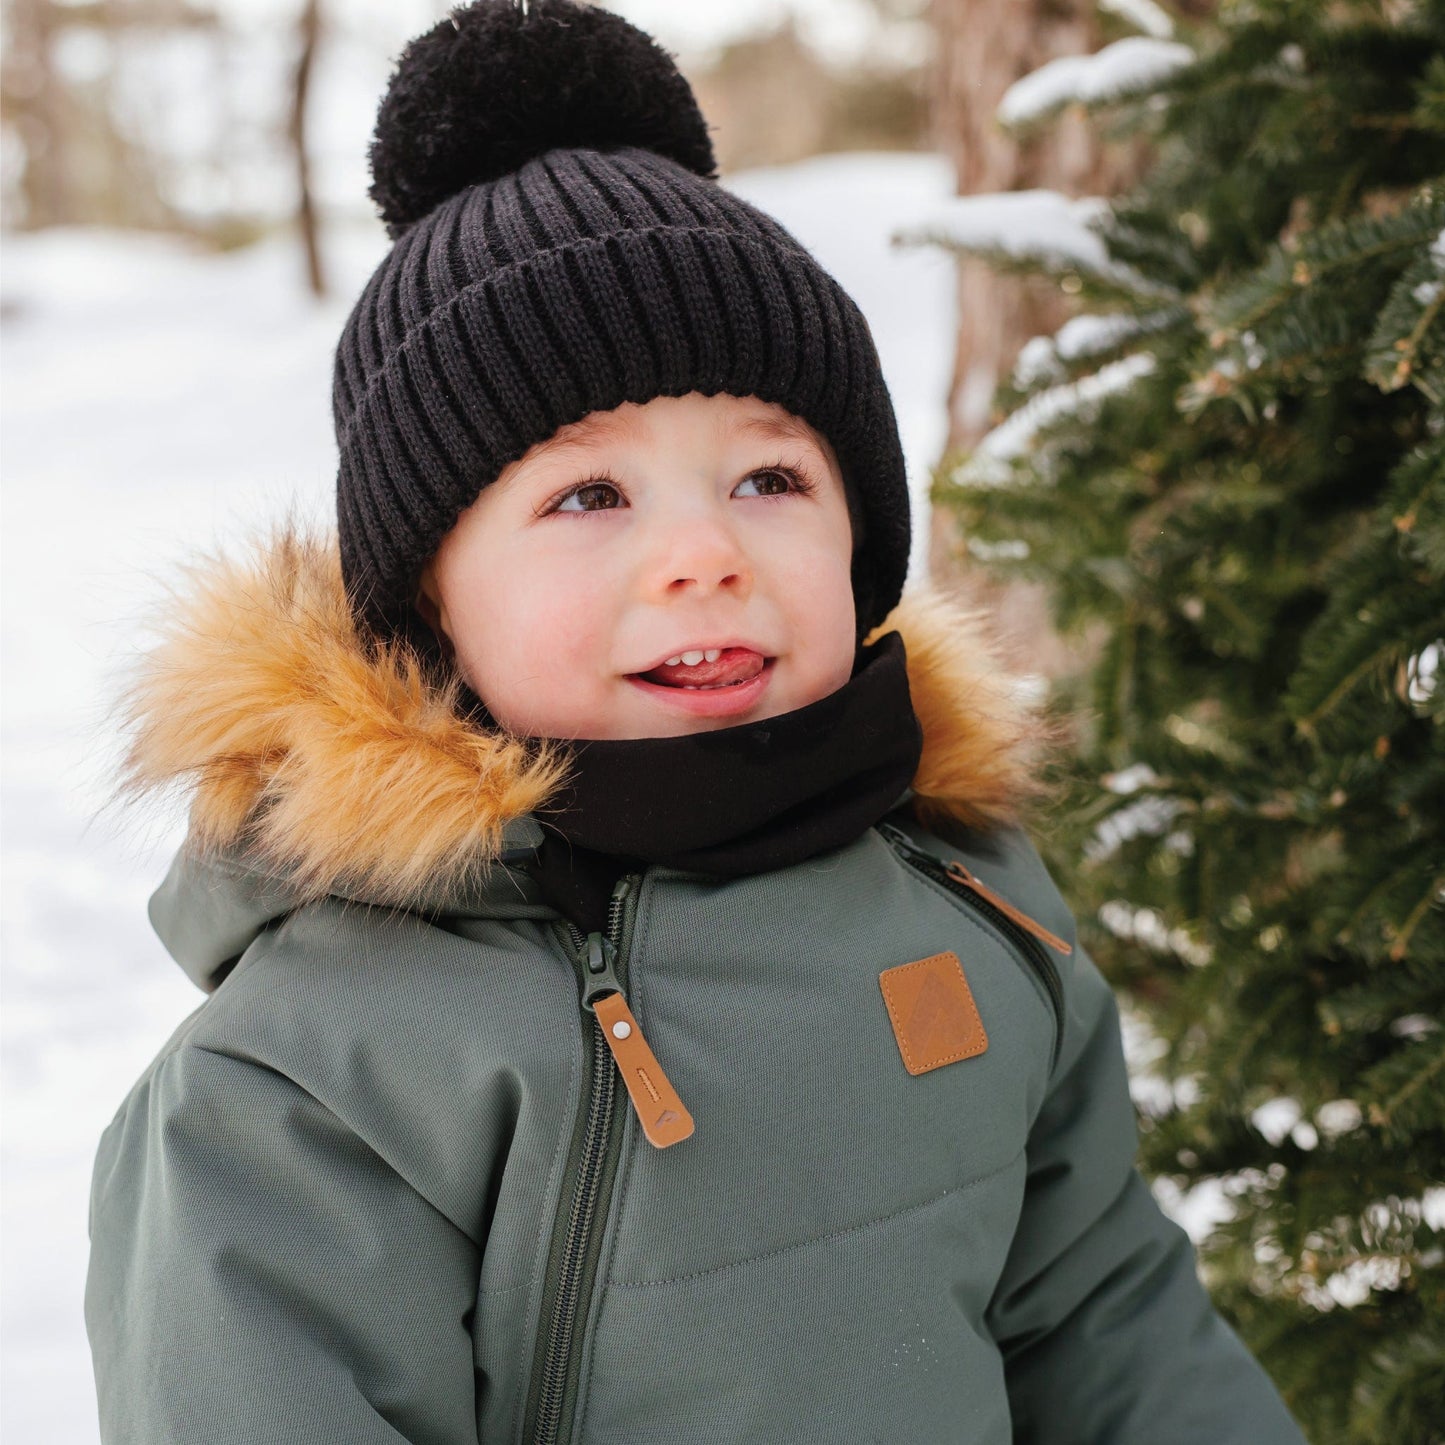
{"x": 1028, "y": 937}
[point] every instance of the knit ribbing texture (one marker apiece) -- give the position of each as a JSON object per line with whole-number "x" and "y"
{"x": 580, "y": 281}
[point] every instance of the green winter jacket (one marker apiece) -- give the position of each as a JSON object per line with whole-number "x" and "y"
{"x": 385, "y": 1183}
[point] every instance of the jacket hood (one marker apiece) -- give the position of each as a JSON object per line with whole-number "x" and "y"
{"x": 322, "y": 767}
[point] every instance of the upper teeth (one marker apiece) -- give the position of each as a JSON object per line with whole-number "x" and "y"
{"x": 691, "y": 659}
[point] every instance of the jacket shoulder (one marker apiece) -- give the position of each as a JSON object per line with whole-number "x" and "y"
{"x": 258, "y": 1268}
{"x": 394, "y": 1024}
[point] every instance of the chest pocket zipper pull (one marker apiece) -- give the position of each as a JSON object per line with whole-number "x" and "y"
{"x": 662, "y": 1114}
{"x": 961, "y": 874}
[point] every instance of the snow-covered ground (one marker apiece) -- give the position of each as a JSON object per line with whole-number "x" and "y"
{"x": 156, "y": 402}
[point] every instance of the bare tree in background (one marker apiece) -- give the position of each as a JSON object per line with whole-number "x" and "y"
{"x": 75, "y": 159}
{"x": 309, "y": 30}
{"x": 30, "y": 104}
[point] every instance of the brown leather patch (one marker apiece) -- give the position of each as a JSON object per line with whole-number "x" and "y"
{"x": 935, "y": 1019}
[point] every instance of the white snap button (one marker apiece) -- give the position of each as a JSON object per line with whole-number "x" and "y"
{"x": 621, "y": 1029}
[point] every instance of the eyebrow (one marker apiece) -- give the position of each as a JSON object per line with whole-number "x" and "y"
{"x": 780, "y": 429}
{"x": 579, "y": 436}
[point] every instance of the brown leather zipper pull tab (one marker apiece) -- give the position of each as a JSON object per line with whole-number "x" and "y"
{"x": 959, "y": 871}
{"x": 663, "y": 1116}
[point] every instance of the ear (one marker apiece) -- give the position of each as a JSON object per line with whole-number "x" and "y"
{"x": 432, "y": 612}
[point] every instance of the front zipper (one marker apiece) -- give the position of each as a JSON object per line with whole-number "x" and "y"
{"x": 1023, "y": 931}
{"x": 601, "y": 960}
{"x": 572, "y": 1264}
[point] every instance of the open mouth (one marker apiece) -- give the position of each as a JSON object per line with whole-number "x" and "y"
{"x": 728, "y": 667}
{"x": 730, "y": 683}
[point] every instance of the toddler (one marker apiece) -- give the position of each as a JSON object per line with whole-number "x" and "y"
{"x": 636, "y": 1012}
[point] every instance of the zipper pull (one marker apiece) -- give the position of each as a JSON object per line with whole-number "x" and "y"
{"x": 600, "y": 957}
{"x": 662, "y": 1114}
{"x": 903, "y": 843}
{"x": 956, "y": 870}
{"x": 960, "y": 874}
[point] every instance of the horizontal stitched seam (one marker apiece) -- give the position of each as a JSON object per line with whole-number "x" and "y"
{"x": 821, "y": 1238}
{"x": 581, "y": 243}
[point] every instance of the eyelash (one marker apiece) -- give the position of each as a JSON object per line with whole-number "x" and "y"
{"x": 801, "y": 486}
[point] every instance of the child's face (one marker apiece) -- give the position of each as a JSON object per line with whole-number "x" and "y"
{"x": 557, "y": 588}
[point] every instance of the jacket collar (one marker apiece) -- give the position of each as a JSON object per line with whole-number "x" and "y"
{"x": 345, "y": 771}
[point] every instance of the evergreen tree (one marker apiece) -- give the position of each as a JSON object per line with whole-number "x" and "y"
{"x": 1231, "y": 467}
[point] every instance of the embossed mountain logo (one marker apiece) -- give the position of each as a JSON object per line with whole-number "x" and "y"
{"x": 935, "y": 1009}
{"x": 931, "y": 1007}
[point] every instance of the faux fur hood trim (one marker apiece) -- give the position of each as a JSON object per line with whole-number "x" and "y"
{"x": 352, "y": 773}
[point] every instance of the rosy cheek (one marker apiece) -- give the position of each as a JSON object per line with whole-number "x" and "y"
{"x": 558, "y": 629}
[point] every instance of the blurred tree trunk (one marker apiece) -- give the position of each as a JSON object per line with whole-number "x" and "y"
{"x": 82, "y": 160}
{"x": 309, "y": 28}
{"x": 32, "y": 105}
{"x": 981, "y": 48}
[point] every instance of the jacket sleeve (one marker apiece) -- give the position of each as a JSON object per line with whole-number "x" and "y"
{"x": 1107, "y": 1334}
{"x": 258, "y": 1273}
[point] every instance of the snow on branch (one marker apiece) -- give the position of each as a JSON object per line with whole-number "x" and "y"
{"x": 1127, "y": 67}
{"x": 1044, "y": 358}
{"x": 989, "y": 462}
{"x": 1041, "y": 226}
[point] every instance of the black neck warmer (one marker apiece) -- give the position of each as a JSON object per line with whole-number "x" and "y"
{"x": 734, "y": 800}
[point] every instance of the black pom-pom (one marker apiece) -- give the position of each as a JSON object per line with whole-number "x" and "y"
{"x": 497, "y": 83}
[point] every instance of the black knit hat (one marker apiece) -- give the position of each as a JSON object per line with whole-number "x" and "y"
{"x": 561, "y": 246}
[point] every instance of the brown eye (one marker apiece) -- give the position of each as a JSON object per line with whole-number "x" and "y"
{"x": 774, "y": 482}
{"x": 590, "y": 497}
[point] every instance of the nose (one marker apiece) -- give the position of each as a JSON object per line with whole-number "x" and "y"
{"x": 699, "y": 552}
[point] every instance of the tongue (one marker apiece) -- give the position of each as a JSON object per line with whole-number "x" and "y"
{"x": 734, "y": 664}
